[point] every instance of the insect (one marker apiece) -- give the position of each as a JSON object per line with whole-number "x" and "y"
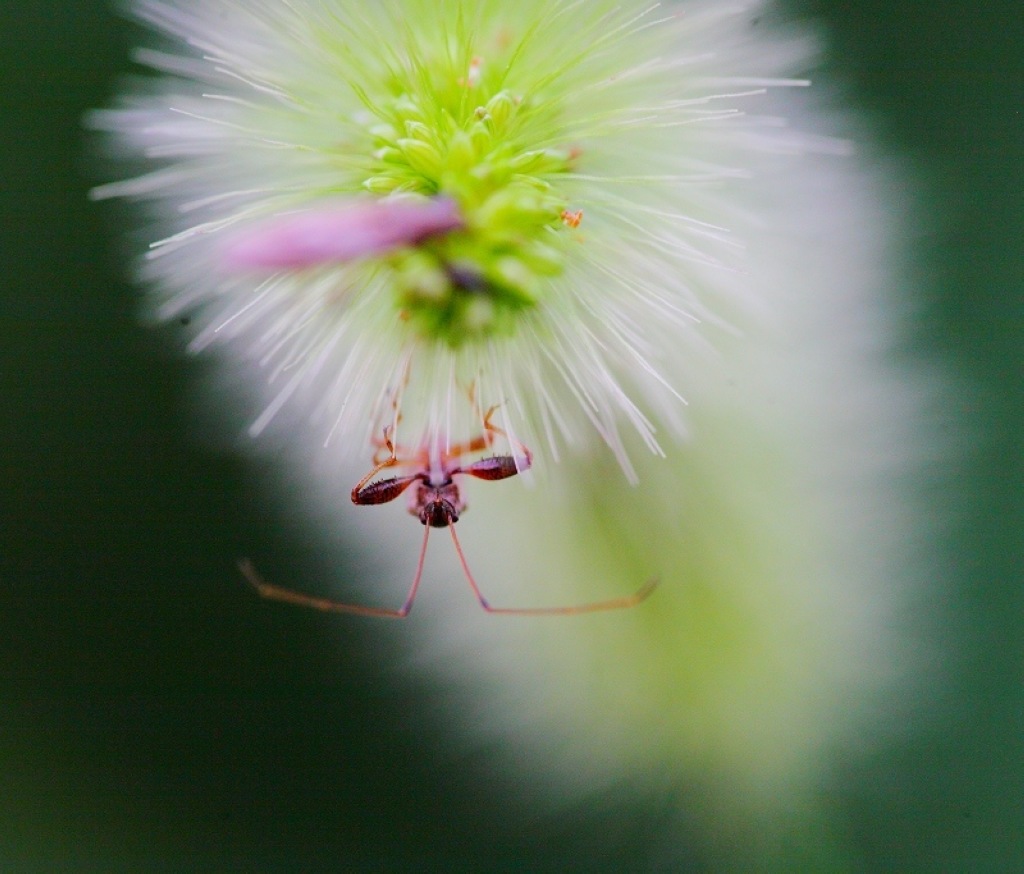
{"x": 436, "y": 500}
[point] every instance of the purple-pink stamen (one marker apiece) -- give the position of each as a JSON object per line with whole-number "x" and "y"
{"x": 342, "y": 230}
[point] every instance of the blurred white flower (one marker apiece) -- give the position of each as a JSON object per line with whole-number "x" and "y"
{"x": 409, "y": 213}
{"x": 588, "y": 156}
{"x": 779, "y": 646}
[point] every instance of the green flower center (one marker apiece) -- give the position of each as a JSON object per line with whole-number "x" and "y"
{"x": 462, "y": 134}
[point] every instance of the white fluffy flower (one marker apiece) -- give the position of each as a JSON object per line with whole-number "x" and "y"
{"x": 596, "y": 153}
{"x": 573, "y": 214}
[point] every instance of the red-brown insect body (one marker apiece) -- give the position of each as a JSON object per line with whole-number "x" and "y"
{"x": 436, "y": 500}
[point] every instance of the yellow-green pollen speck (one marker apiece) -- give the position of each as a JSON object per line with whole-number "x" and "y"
{"x": 464, "y": 136}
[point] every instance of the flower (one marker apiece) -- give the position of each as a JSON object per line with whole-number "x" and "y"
{"x": 558, "y": 218}
{"x": 583, "y": 159}
{"x": 786, "y": 643}
{"x": 780, "y": 647}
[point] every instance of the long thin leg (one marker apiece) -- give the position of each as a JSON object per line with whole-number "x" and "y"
{"x": 485, "y": 440}
{"x": 394, "y": 393}
{"x": 569, "y": 610}
{"x": 290, "y": 596}
{"x": 525, "y": 460}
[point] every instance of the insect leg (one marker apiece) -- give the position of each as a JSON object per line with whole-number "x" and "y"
{"x": 485, "y": 440}
{"x": 328, "y": 605}
{"x": 390, "y": 461}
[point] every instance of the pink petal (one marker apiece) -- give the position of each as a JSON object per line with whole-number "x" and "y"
{"x": 340, "y": 231}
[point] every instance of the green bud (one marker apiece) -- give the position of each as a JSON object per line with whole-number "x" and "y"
{"x": 422, "y": 157}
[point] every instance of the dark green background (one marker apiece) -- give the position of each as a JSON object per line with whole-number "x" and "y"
{"x": 154, "y": 715}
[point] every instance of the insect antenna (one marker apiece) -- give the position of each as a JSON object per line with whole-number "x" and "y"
{"x": 329, "y": 605}
{"x": 566, "y": 610}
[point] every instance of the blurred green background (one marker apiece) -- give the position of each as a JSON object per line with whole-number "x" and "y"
{"x": 154, "y": 715}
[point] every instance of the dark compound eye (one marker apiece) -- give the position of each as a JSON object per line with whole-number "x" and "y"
{"x": 439, "y": 514}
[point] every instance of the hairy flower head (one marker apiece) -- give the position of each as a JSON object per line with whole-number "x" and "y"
{"x": 428, "y": 216}
{"x": 411, "y": 212}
